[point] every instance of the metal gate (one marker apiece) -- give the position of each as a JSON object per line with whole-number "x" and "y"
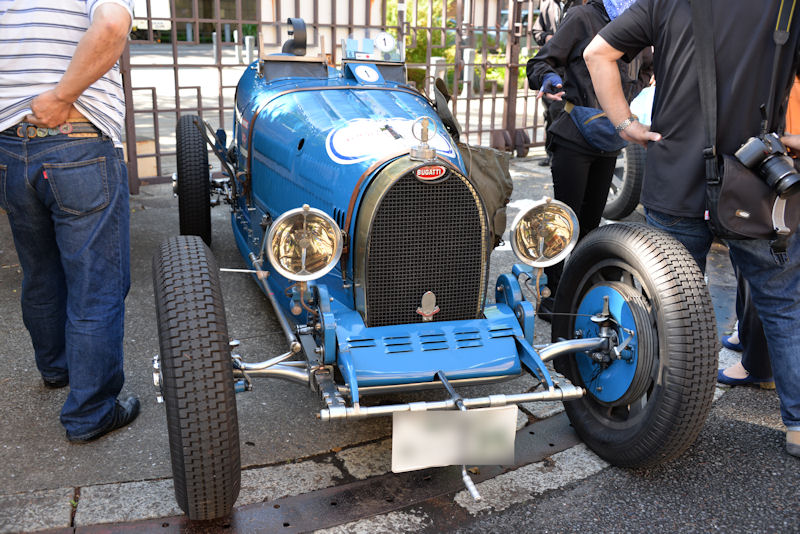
{"x": 186, "y": 56}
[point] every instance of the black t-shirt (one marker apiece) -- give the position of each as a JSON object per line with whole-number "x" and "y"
{"x": 744, "y": 48}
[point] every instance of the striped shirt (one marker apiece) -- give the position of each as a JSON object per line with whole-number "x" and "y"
{"x": 37, "y": 41}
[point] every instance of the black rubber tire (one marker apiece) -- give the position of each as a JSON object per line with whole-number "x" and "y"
{"x": 194, "y": 182}
{"x": 667, "y": 418}
{"x": 197, "y": 378}
{"x": 626, "y": 185}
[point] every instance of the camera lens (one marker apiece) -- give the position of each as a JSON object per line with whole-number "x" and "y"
{"x": 780, "y": 174}
{"x": 788, "y": 185}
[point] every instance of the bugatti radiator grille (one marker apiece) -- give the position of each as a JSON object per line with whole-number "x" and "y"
{"x": 426, "y": 237}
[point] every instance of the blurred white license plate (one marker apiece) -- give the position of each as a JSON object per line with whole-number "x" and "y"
{"x": 438, "y": 438}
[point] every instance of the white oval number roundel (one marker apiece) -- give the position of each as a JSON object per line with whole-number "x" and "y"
{"x": 367, "y": 73}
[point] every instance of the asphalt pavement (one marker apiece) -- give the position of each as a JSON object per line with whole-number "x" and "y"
{"x": 736, "y": 478}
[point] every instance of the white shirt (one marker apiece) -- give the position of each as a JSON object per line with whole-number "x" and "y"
{"x": 37, "y": 41}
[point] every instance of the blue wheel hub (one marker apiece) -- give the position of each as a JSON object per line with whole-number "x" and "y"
{"x": 610, "y": 379}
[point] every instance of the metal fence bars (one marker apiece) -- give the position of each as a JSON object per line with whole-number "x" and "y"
{"x": 186, "y": 57}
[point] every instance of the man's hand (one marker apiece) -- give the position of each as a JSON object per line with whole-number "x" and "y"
{"x": 792, "y": 142}
{"x": 49, "y": 110}
{"x": 639, "y": 133}
{"x": 96, "y": 53}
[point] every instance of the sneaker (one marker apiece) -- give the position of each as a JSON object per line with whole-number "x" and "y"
{"x": 545, "y": 162}
{"x": 55, "y": 383}
{"x": 793, "y": 442}
{"x": 124, "y": 414}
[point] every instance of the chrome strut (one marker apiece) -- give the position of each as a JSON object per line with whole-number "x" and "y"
{"x": 294, "y": 344}
{"x": 460, "y": 404}
{"x": 564, "y": 391}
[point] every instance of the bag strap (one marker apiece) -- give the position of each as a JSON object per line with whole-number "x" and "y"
{"x": 780, "y": 36}
{"x": 703, "y": 28}
{"x": 707, "y": 76}
{"x": 569, "y": 107}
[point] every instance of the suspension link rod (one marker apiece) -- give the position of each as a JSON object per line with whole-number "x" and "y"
{"x": 564, "y": 392}
{"x": 573, "y": 345}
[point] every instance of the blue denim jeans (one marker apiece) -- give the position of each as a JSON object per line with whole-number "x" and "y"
{"x": 692, "y": 232}
{"x": 67, "y": 205}
{"x": 775, "y": 290}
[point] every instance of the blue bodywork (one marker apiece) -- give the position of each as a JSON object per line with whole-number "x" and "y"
{"x": 320, "y": 140}
{"x": 285, "y": 131}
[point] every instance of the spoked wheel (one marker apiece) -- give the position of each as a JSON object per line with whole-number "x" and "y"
{"x": 626, "y": 185}
{"x": 194, "y": 184}
{"x": 648, "y": 404}
{"x": 197, "y": 378}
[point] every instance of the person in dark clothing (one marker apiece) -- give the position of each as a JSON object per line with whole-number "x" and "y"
{"x": 581, "y": 173}
{"x": 547, "y": 22}
{"x": 755, "y": 367}
{"x": 544, "y": 28}
{"x": 673, "y": 192}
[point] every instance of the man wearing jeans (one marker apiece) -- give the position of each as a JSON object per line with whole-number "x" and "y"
{"x": 63, "y": 184}
{"x": 673, "y": 191}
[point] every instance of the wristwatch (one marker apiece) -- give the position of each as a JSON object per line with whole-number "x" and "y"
{"x": 627, "y": 122}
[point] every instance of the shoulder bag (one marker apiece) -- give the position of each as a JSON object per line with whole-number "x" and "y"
{"x": 739, "y": 202}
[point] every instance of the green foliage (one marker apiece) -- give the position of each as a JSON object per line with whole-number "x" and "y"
{"x": 250, "y": 29}
{"x": 417, "y": 44}
{"x": 421, "y": 36}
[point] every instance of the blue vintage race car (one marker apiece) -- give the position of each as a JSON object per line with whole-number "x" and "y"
{"x": 370, "y": 231}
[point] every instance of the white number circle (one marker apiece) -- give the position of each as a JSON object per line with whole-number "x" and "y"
{"x": 385, "y": 42}
{"x": 367, "y": 73}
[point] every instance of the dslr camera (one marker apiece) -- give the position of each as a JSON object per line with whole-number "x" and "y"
{"x": 767, "y": 155}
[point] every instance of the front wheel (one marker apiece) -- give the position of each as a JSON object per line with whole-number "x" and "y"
{"x": 647, "y": 405}
{"x": 197, "y": 378}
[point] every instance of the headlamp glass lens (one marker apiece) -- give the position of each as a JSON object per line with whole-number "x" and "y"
{"x": 305, "y": 244}
{"x": 545, "y": 234}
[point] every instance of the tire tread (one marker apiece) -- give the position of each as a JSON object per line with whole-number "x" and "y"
{"x": 689, "y": 345}
{"x": 194, "y": 186}
{"x": 197, "y": 379}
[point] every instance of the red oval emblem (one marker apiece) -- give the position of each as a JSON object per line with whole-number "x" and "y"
{"x": 431, "y": 172}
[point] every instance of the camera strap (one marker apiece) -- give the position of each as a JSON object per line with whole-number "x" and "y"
{"x": 703, "y": 29}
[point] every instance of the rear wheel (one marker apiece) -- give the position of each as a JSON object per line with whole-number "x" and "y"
{"x": 194, "y": 183}
{"x": 626, "y": 185}
{"x": 655, "y": 411}
{"x": 197, "y": 378}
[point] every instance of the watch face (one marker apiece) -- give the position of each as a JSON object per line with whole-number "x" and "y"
{"x": 385, "y": 42}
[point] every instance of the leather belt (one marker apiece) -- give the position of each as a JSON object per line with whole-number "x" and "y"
{"x": 26, "y": 130}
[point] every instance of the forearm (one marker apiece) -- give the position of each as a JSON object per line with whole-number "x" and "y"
{"x": 601, "y": 60}
{"x": 96, "y": 53}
